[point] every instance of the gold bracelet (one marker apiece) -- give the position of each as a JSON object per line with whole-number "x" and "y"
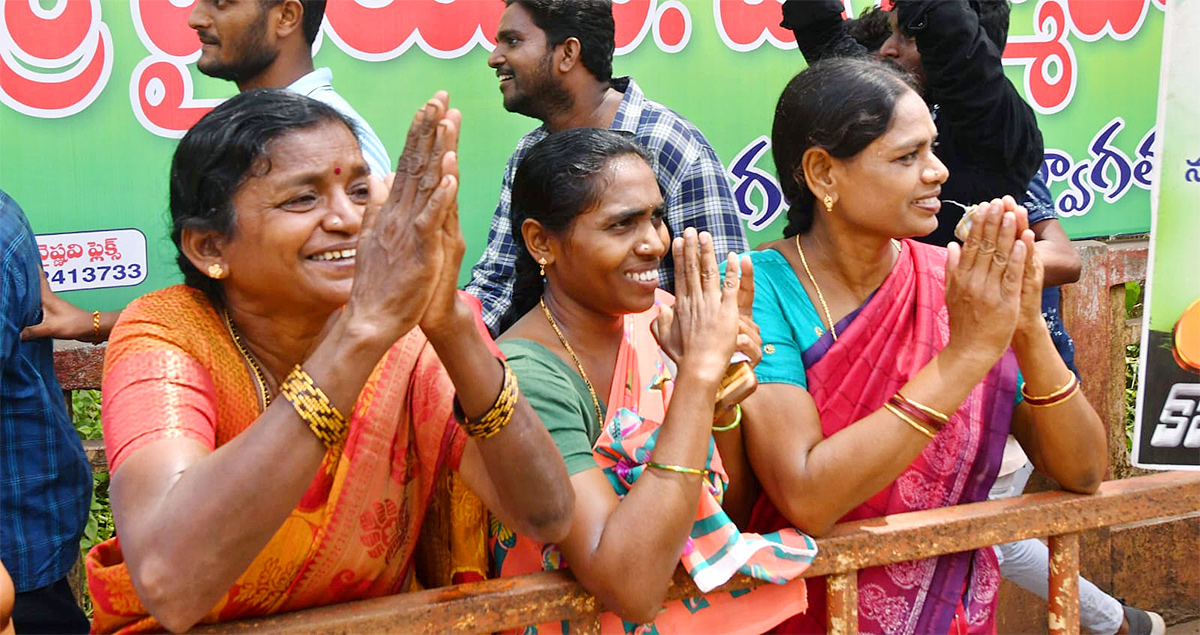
{"x": 678, "y": 468}
{"x": 1037, "y": 400}
{"x": 936, "y": 414}
{"x": 499, "y": 415}
{"x": 95, "y": 327}
{"x": 315, "y": 408}
{"x": 737, "y": 420}
{"x": 1060, "y": 399}
{"x": 910, "y": 421}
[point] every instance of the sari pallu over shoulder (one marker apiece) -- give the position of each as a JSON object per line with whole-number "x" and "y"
{"x": 353, "y": 533}
{"x": 893, "y": 336}
{"x": 716, "y": 549}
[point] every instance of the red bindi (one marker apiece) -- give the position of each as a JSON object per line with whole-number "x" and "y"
{"x": 337, "y": 170}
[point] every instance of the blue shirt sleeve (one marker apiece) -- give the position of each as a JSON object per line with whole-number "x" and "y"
{"x": 1038, "y": 201}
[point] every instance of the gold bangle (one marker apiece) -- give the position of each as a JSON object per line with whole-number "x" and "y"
{"x": 95, "y": 327}
{"x": 1060, "y": 393}
{"x": 737, "y": 420}
{"x": 499, "y": 415}
{"x": 315, "y": 408}
{"x": 678, "y": 468}
{"x": 909, "y": 420}
{"x": 1057, "y": 400}
{"x": 936, "y": 414}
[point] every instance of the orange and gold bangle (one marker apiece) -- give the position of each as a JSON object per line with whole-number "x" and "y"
{"x": 939, "y": 416}
{"x": 1053, "y": 399}
{"x": 95, "y": 327}
{"x": 927, "y": 420}
{"x": 906, "y": 418}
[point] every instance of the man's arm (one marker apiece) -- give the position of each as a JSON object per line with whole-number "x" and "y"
{"x": 700, "y": 197}
{"x": 492, "y": 276}
{"x": 65, "y": 321}
{"x": 1060, "y": 262}
{"x": 965, "y": 77}
{"x": 820, "y": 30}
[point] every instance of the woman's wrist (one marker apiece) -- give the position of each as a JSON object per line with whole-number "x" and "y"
{"x": 354, "y": 335}
{"x": 698, "y": 380}
{"x": 1032, "y": 337}
{"x": 460, "y": 323}
{"x": 966, "y": 361}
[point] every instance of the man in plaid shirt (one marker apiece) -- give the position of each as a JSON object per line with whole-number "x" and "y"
{"x": 554, "y": 61}
{"x": 45, "y": 479}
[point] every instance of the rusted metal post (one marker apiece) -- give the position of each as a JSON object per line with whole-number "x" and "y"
{"x": 841, "y": 603}
{"x": 586, "y": 624}
{"x": 1064, "y": 584}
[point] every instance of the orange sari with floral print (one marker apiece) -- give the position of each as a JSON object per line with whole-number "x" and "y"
{"x": 172, "y": 370}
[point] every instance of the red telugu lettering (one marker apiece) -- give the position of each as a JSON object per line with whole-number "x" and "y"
{"x": 55, "y": 62}
{"x": 163, "y": 27}
{"x": 1047, "y": 91}
{"x": 1120, "y": 19}
{"x": 444, "y": 30}
{"x": 744, "y": 24}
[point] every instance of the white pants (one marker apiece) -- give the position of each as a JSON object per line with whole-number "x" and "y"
{"x": 1026, "y": 563}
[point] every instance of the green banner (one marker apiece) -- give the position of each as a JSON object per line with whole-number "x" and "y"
{"x": 96, "y": 92}
{"x": 1167, "y": 426}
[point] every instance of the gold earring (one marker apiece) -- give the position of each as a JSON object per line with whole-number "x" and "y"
{"x": 216, "y": 271}
{"x": 542, "y": 267}
{"x": 828, "y": 203}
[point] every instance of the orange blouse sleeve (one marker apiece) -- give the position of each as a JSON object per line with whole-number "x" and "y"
{"x": 153, "y": 387}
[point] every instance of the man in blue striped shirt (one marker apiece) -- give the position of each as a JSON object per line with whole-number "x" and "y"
{"x": 554, "y": 61}
{"x": 45, "y": 479}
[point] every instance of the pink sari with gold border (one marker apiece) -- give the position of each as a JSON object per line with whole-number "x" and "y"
{"x": 173, "y": 371}
{"x": 879, "y": 349}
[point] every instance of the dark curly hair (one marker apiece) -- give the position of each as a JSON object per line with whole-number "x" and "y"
{"x": 589, "y": 21}
{"x": 561, "y": 178}
{"x": 314, "y": 11}
{"x": 216, "y": 156}
{"x": 839, "y": 104}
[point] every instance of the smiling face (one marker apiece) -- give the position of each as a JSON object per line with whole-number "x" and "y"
{"x": 297, "y": 223}
{"x": 524, "y": 64}
{"x": 891, "y": 188}
{"x": 608, "y": 258}
{"x": 234, "y": 38}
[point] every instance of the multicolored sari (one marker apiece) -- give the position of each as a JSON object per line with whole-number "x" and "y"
{"x": 879, "y": 349}
{"x": 716, "y": 550}
{"x": 172, "y": 371}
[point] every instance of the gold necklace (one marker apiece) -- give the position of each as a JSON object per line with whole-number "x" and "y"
{"x": 260, "y": 378}
{"x": 817, "y": 287}
{"x": 578, "y": 365}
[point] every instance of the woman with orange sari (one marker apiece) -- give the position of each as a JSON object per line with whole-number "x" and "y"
{"x": 635, "y": 425}
{"x": 239, "y": 487}
{"x": 889, "y": 378}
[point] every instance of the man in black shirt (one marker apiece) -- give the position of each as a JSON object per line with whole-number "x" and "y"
{"x": 988, "y": 136}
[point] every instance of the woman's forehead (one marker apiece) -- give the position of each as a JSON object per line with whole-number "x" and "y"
{"x": 911, "y": 121}
{"x": 322, "y": 147}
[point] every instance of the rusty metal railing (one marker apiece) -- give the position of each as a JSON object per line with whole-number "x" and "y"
{"x": 511, "y": 603}
{"x": 1094, "y": 309}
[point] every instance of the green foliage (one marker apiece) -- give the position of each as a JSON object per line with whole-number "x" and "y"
{"x": 1134, "y": 298}
{"x": 85, "y": 404}
{"x": 1132, "y": 356}
{"x": 85, "y": 407}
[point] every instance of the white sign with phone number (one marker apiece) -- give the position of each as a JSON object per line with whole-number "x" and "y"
{"x": 93, "y": 260}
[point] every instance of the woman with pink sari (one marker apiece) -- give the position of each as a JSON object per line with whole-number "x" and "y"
{"x": 889, "y": 379}
{"x": 278, "y": 426}
{"x": 586, "y": 337}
